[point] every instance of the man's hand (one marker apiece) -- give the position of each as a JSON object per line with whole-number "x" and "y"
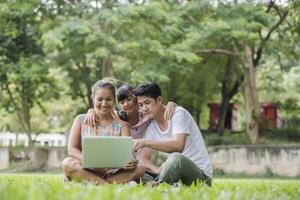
{"x": 157, "y": 170}
{"x": 91, "y": 118}
{"x": 130, "y": 165}
{"x": 139, "y": 144}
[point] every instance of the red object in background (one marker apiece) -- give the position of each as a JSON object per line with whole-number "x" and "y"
{"x": 213, "y": 115}
{"x": 230, "y": 119}
{"x": 268, "y": 115}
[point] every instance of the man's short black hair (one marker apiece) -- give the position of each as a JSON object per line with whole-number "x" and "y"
{"x": 149, "y": 89}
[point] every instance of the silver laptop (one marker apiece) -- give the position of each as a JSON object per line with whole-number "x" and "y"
{"x": 106, "y": 151}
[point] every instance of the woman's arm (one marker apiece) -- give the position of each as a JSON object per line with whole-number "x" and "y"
{"x": 74, "y": 146}
{"x": 125, "y": 131}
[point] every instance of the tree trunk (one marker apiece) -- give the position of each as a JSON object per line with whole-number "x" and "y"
{"x": 172, "y": 88}
{"x": 25, "y": 110}
{"x": 198, "y": 115}
{"x": 250, "y": 96}
{"x": 106, "y": 67}
{"x": 20, "y": 113}
{"x": 222, "y": 115}
{"x": 88, "y": 84}
{"x": 28, "y": 130}
{"x": 225, "y": 97}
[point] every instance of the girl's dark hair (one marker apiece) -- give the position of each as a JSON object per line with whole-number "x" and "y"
{"x": 122, "y": 115}
{"x": 123, "y": 92}
{"x": 104, "y": 83}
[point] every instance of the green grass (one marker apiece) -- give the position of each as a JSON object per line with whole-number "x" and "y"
{"x": 40, "y": 187}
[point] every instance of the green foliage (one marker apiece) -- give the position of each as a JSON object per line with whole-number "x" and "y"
{"x": 51, "y": 187}
{"x": 291, "y": 107}
{"x": 25, "y": 80}
{"x": 276, "y": 136}
{"x": 226, "y": 139}
{"x": 285, "y": 135}
{"x": 140, "y": 40}
{"x": 280, "y": 86}
{"x": 164, "y": 41}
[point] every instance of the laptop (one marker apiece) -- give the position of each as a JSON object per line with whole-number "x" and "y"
{"x": 106, "y": 151}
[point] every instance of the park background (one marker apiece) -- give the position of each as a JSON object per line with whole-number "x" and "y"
{"x": 225, "y": 61}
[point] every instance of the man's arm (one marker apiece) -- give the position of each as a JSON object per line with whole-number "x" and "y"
{"x": 176, "y": 144}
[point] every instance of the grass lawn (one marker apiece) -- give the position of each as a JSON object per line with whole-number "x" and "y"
{"x": 45, "y": 186}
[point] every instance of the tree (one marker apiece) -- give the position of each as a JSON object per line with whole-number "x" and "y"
{"x": 242, "y": 31}
{"x": 25, "y": 81}
{"x": 157, "y": 42}
{"x": 83, "y": 44}
{"x": 132, "y": 41}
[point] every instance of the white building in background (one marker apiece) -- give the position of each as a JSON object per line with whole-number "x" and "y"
{"x": 42, "y": 139}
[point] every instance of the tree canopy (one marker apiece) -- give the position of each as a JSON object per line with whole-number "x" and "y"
{"x": 198, "y": 51}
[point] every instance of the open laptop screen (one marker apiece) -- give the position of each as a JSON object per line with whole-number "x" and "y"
{"x": 106, "y": 151}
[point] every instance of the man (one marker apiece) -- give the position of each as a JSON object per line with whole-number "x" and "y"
{"x": 180, "y": 137}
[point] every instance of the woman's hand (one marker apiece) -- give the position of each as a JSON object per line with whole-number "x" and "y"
{"x": 91, "y": 118}
{"x": 130, "y": 165}
{"x": 170, "y": 109}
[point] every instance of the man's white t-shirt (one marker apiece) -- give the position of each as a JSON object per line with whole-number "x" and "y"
{"x": 182, "y": 122}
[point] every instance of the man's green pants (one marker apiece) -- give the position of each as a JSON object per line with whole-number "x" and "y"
{"x": 179, "y": 168}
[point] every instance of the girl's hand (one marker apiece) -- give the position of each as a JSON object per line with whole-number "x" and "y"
{"x": 130, "y": 165}
{"x": 170, "y": 109}
{"x": 91, "y": 118}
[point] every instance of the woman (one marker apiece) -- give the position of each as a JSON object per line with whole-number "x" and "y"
{"x": 103, "y": 96}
